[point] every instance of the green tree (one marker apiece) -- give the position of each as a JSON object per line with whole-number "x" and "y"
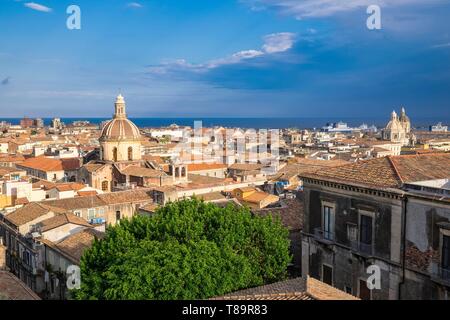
{"x": 188, "y": 250}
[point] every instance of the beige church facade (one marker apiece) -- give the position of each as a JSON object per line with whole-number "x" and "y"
{"x": 120, "y": 165}
{"x": 120, "y": 139}
{"x": 398, "y": 129}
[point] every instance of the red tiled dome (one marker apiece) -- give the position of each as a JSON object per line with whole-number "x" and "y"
{"x": 120, "y": 129}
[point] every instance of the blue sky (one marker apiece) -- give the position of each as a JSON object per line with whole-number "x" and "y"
{"x": 240, "y": 58}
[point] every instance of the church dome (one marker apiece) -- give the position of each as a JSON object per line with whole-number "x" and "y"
{"x": 120, "y": 128}
{"x": 403, "y": 116}
{"x": 394, "y": 124}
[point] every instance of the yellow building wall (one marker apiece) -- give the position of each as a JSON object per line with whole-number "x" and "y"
{"x": 5, "y": 201}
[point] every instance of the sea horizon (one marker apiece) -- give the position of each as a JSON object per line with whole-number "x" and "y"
{"x": 247, "y": 122}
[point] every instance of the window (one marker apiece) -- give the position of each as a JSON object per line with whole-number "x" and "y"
{"x": 183, "y": 172}
{"x": 26, "y": 258}
{"x": 446, "y": 254}
{"x": 365, "y": 235}
{"x": 118, "y": 216}
{"x": 105, "y": 186}
{"x": 328, "y": 222}
{"x": 77, "y": 213}
{"x": 352, "y": 232}
{"x": 364, "y": 291}
{"x": 327, "y": 274}
{"x": 115, "y": 154}
{"x": 91, "y": 214}
{"x": 130, "y": 153}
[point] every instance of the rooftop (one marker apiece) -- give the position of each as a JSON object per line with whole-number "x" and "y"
{"x": 50, "y": 164}
{"x": 137, "y": 171}
{"x": 290, "y": 212}
{"x": 60, "y": 220}
{"x": 74, "y": 245}
{"x": 388, "y": 172}
{"x": 205, "y": 166}
{"x": 11, "y": 288}
{"x": 292, "y": 289}
{"x": 246, "y": 166}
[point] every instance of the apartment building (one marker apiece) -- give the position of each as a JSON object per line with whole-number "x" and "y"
{"x": 380, "y": 212}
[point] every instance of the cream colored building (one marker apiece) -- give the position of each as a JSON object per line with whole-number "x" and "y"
{"x": 120, "y": 138}
{"x": 398, "y": 129}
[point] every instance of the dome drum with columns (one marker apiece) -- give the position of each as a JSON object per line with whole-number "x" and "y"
{"x": 120, "y": 138}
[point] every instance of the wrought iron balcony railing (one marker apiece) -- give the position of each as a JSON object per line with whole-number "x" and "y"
{"x": 323, "y": 235}
{"x": 361, "y": 247}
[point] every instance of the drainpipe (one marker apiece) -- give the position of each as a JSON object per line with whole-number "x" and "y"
{"x": 403, "y": 245}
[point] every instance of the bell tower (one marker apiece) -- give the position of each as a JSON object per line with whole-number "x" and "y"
{"x": 120, "y": 112}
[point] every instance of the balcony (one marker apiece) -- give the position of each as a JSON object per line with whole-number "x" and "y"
{"x": 125, "y": 186}
{"x": 441, "y": 275}
{"x": 444, "y": 273}
{"x": 323, "y": 235}
{"x": 363, "y": 248}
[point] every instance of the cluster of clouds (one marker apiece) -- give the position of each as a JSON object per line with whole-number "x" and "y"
{"x": 324, "y": 8}
{"x": 43, "y": 8}
{"x": 37, "y": 7}
{"x": 273, "y": 43}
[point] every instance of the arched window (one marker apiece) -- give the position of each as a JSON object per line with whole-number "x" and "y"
{"x": 115, "y": 154}
{"x": 130, "y": 153}
{"x": 105, "y": 185}
{"x": 183, "y": 172}
{"x": 177, "y": 172}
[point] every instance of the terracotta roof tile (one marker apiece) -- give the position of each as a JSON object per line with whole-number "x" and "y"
{"x": 292, "y": 289}
{"x": 137, "y": 195}
{"x": 193, "y": 167}
{"x": 142, "y": 172}
{"x": 11, "y": 288}
{"x": 50, "y": 164}
{"x": 413, "y": 168}
{"x": 375, "y": 172}
{"x": 290, "y": 212}
{"x": 60, "y": 220}
{"x": 389, "y": 172}
{"x": 74, "y": 245}
{"x": 246, "y": 166}
{"x": 29, "y": 212}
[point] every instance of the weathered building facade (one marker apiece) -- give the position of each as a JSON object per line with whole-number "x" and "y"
{"x": 363, "y": 214}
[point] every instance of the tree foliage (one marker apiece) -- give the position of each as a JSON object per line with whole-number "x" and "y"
{"x": 188, "y": 250}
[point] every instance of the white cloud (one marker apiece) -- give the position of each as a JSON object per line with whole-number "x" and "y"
{"x": 273, "y": 43}
{"x": 135, "y": 5}
{"x": 235, "y": 58}
{"x": 442, "y": 45}
{"x": 278, "y": 42}
{"x": 323, "y": 8}
{"x": 37, "y": 7}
